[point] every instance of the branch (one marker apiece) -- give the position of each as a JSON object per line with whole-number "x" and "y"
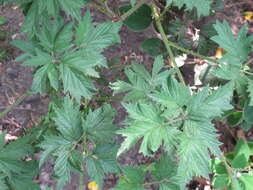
{"x": 102, "y": 9}
{"x": 167, "y": 43}
{"x": 156, "y": 182}
{"x": 105, "y": 99}
{"x": 228, "y": 168}
{"x": 187, "y": 51}
{"x": 11, "y": 107}
{"x": 132, "y": 10}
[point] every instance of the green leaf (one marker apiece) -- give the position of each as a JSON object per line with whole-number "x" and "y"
{"x": 248, "y": 113}
{"x": 195, "y": 143}
{"x": 99, "y": 124}
{"x": 140, "y": 19}
{"x": 50, "y": 145}
{"x": 246, "y": 126}
{"x": 102, "y": 161}
{"x": 221, "y": 181}
{"x": 234, "y": 118}
{"x": 199, "y": 137}
{"x": 62, "y": 168}
{"x": 15, "y": 172}
{"x": 141, "y": 83}
{"x": 24, "y": 46}
{"x": 235, "y": 185}
{"x": 238, "y": 48}
{"x": 132, "y": 179}
{"x": 24, "y": 181}
{"x": 242, "y": 153}
{"x": 169, "y": 2}
{"x": 237, "y": 51}
{"x": 3, "y": 184}
{"x": 173, "y": 95}
{"x": 149, "y": 124}
{"x": 61, "y": 148}
{"x": 72, "y": 8}
{"x": 133, "y": 2}
{"x": 16, "y": 149}
{"x": 204, "y": 106}
{"x": 75, "y": 82}
{"x": 153, "y": 46}
{"x": 166, "y": 171}
{"x": 2, "y": 20}
{"x": 202, "y": 6}
{"x": 247, "y": 181}
{"x": 218, "y": 166}
{"x": 68, "y": 120}
{"x": 99, "y": 37}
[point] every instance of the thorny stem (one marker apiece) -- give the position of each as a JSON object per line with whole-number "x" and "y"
{"x": 102, "y": 9}
{"x": 108, "y": 11}
{"x": 228, "y": 168}
{"x": 175, "y": 120}
{"x": 11, "y": 107}
{"x": 81, "y": 182}
{"x": 132, "y": 10}
{"x": 167, "y": 43}
{"x": 155, "y": 182}
{"x": 249, "y": 73}
{"x": 208, "y": 69}
{"x": 187, "y": 51}
{"x": 101, "y": 99}
{"x": 84, "y": 148}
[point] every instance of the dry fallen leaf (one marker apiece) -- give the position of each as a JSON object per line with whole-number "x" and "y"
{"x": 93, "y": 185}
{"x": 248, "y": 15}
{"x": 219, "y": 53}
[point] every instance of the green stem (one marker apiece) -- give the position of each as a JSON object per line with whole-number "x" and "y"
{"x": 156, "y": 182}
{"x": 167, "y": 43}
{"x": 11, "y": 107}
{"x": 108, "y": 9}
{"x": 187, "y": 51}
{"x": 102, "y": 9}
{"x": 81, "y": 182}
{"x": 228, "y": 168}
{"x": 249, "y": 73}
{"x": 104, "y": 99}
{"x": 208, "y": 69}
{"x": 132, "y": 10}
{"x": 174, "y": 121}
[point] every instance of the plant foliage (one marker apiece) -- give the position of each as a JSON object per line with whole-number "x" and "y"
{"x": 168, "y": 121}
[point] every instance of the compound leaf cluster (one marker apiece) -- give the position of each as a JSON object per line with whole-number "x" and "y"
{"x": 69, "y": 53}
{"x": 75, "y": 128}
{"x": 16, "y": 173}
{"x": 177, "y": 117}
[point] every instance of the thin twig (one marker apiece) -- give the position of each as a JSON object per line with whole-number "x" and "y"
{"x": 132, "y": 10}
{"x": 167, "y": 44}
{"x": 249, "y": 73}
{"x": 187, "y": 51}
{"x": 175, "y": 121}
{"x": 102, "y": 99}
{"x": 81, "y": 180}
{"x": 235, "y": 4}
{"x": 11, "y": 107}
{"x": 102, "y": 9}
{"x": 228, "y": 168}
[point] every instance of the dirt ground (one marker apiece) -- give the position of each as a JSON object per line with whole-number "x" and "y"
{"x": 16, "y": 79}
